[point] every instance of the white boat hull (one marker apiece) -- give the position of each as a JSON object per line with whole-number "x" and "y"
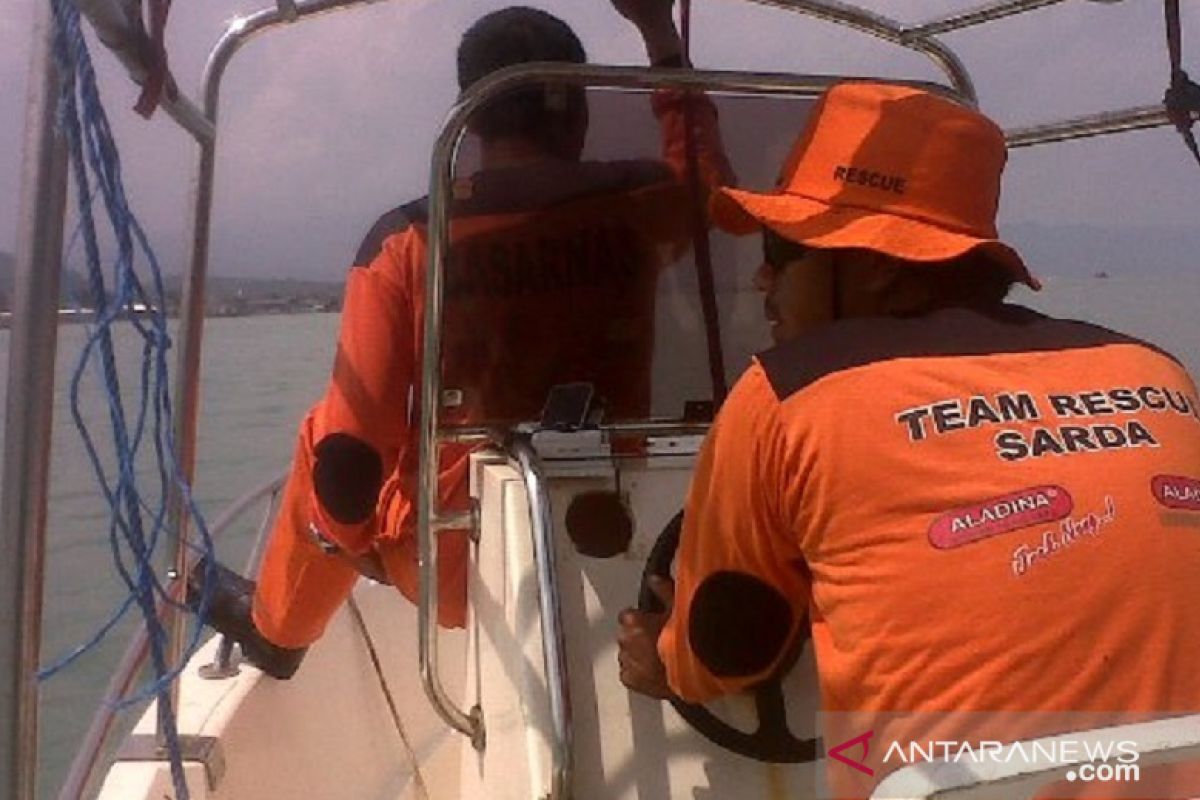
{"x": 328, "y": 732}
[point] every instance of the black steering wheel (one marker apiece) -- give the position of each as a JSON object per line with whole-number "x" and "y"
{"x": 772, "y": 742}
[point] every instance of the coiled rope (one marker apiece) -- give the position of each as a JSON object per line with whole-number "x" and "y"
{"x": 138, "y": 507}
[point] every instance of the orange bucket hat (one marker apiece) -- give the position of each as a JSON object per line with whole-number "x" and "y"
{"x": 887, "y": 168}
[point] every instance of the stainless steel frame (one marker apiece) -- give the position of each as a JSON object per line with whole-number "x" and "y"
{"x": 29, "y": 416}
{"x": 888, "y": 30}
{"x": 666, "y": 427}
{"x": 554, "y": 644}
{"x": 126, "y": 37}
{"x": 1131, "y": 119}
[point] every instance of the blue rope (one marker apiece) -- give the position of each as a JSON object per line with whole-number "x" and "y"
{"x": 138, "y": 515}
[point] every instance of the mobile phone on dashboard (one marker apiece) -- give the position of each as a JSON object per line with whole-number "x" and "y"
{"x": 567, "y": 406}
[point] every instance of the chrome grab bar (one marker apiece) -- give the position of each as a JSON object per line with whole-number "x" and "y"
{"x": 554, "y": 646}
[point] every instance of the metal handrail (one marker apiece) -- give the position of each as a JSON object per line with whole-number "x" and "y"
{"x": 125, "y": 37}
{"x": 83, "y": 766}
{"x": 1130, "y": 119}
{"x": 554, "y": 645}
{"x": 989, "y": 12}
{"x": 288, "y": 9}
{"x": 888, "y": 30}
{"x": 468, "y": 434}
{"x": 441, "y": 173}
{"x": 29, "y": 416}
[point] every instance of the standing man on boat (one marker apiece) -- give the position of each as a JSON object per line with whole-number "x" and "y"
{"x": 598, "y": 231}
{"x": 970, "y": 505}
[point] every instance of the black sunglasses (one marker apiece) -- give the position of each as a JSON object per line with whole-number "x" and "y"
{"x": 778, "y": 252}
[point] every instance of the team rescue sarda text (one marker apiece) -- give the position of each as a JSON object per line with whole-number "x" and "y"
{"x": 1082, "y": 434}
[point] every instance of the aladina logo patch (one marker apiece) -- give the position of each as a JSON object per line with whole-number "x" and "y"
{"x": 863, "y": 739}
{"x": 1036, "y": 505}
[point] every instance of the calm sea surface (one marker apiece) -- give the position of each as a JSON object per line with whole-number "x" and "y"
{"x": 260, "y": 375}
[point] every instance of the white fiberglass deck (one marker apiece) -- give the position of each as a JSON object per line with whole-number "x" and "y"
{"x": 328, "y": 733}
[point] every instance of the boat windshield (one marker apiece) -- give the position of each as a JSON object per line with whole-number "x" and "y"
{"x": 564, "y": 271}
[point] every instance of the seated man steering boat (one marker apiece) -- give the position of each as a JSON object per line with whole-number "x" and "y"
{"x": 560, "y": 253}
{"x": 970, "y": 506}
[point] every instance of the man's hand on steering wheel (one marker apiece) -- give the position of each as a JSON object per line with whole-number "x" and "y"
{"x": 637, "y": 641}
{"x": 643, "y": 671}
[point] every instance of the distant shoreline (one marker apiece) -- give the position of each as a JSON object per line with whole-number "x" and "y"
{"x": 71, "y": 316}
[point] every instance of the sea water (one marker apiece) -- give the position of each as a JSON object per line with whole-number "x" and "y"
{"x": 260, "y": 374}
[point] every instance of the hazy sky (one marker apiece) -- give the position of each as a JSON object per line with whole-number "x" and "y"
{"x": 328, "y": 123}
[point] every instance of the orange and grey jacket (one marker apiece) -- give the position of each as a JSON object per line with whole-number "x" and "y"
{"x": 970, "y": 511}
{"x": 551, "y": 278}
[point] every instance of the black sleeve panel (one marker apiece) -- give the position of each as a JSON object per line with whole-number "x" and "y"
{"x": 739, "y": 624}
{"x": 851, "y": 343}
{"x": 392, "y": 222}
{"x": 347, "y": 477}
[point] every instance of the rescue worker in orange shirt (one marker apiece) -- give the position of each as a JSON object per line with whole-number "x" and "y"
{"x": 554, "y": 254}
{"x": 970, "y": 505}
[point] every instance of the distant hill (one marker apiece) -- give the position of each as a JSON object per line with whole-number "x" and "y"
{"x": 1051, "y": 250}
{"x": 72, "y": 285}
{"x": 225, "y": 295}
{"x": 261, "y": 287}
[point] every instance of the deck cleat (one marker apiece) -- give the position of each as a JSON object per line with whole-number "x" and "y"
{"x": 231, "y": 599}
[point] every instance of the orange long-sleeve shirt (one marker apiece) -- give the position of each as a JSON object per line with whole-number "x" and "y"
{"x": 971, "y": 511}
{"x": 551, "y": 278}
